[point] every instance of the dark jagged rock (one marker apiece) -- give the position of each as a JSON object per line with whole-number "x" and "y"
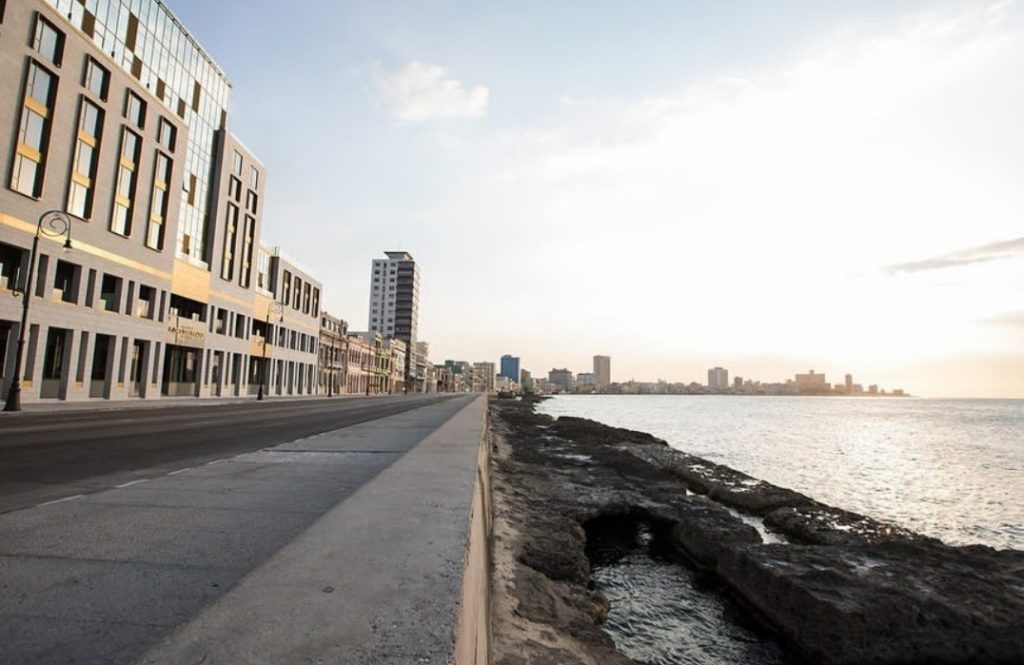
{"x": 703, "y": 531}
{"x": 590, "y": 432}
{"x": 888, "y": 602}
{"x": 819, "y": 524}
{"x": 720, "y": 483}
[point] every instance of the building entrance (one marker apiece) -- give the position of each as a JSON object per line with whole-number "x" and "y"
{"x": 102, "y": 366}
{"x": 181, "y": 371}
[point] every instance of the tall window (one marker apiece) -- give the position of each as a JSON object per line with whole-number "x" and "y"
{"x": 135, "y": 110}
{"x": 254, "y": 178}
{"x": 236, "y": 164}
{"x": 263, "y": 269}
{"x": 33, "y": 131}
{"x": 83, "y": 164}
{"x": 166, "y": 134}
{"x": 48, "y": 41}
{"x": 245, "y": 273}
{"x": 227, "y": 266}
{"x": 158, "y": 202}
{"x": 124, "y": 195}
{"x": 96, "y": 79}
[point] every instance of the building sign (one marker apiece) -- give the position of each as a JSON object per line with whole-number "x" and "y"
{"x": 186, "y": 332}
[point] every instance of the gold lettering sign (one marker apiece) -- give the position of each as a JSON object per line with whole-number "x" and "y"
{"x": 186, "y": 332}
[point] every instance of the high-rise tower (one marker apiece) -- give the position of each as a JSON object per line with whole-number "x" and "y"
{"x": 395, "y": 300}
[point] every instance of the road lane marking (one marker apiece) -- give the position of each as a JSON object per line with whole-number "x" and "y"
{"x": 67, "y": 498}
{"x": 174, "y": 473}
{"x": 130, "y": 483}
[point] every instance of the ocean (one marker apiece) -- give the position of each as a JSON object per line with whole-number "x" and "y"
{"x": 952, "y": 469}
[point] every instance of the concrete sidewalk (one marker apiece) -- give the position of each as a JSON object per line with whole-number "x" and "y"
{"x": 377, "y": 579}
{"x": 57, "y": 406}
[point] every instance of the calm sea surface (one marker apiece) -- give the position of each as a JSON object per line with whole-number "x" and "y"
{"x": 953, "y": 469}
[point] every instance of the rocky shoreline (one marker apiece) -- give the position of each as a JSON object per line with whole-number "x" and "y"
{"x": 837, "y": 587}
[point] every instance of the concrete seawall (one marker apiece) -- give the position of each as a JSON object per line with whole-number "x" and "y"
{"x": 473, "y": 633}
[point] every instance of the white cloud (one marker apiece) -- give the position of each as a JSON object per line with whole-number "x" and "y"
{"x": 421, "y": 91}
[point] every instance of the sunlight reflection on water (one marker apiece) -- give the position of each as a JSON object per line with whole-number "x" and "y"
{"x": 953, "y": 469}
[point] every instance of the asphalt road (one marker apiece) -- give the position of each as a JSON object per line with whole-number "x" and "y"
{"x": 50, "y": 456}
{"x": 172, "y": 508}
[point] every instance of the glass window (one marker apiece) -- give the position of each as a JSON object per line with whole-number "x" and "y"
{"x": 251, "y": 201}
{"x": 254, "y": 178}
{"x": 39, "y": 85}
{"x": 166, "y": 134}
{"x": 83, "y": 166}
{"x": 227, "y": 266}
{"x": 236, "y": 164}
{"x": 96, "y": 79}
{"x": 245, "y": 273}
{"x": 135, "y": 110}
{"x": 48, "y": 41}
{"x": 124, "y": 197}
{"x": 158, "y": 202}
{"x": 33, "y": 127}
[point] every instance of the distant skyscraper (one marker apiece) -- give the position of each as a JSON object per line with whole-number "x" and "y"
{"x": 849, "y": 384}
{"x": 510, "y": 367}
{"x": 603, "y": 370}
{"x": 718, "y": 378}
{"x": 395, "y": 300}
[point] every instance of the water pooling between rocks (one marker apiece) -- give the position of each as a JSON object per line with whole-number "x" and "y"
{"x": 665, "y": 613}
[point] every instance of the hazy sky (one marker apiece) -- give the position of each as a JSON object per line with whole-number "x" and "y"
{"x": 771, "y": 187}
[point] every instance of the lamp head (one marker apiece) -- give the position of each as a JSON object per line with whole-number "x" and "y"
{"x": 67, "y": 245}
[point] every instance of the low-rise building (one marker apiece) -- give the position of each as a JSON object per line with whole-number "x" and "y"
{"x": 561, "y": 379}
{"x": 359, "y": 364}
{"x": 333, "y": 361}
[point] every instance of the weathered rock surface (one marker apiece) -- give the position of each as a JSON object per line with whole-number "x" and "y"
{"x": 888, "y": 602}
{"x": 704, "y": 531}
{"x": 845, "y": 589}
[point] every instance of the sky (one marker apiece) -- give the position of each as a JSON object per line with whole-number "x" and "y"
{"x": 767, "y": 187}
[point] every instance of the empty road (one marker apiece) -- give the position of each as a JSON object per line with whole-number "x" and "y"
{"x": 48, "y": 456}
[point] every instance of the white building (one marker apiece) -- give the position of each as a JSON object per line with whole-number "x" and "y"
{"x": 394, "y": 302}
{"x": 718, "y": 378}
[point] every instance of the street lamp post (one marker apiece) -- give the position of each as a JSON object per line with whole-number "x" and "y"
{"x": 58, "y": 224}
{"x": 274, "y": 308}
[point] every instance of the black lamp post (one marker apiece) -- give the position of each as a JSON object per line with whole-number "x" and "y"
{"x": 58, "y": 224}
{"x": 274, "y": 308}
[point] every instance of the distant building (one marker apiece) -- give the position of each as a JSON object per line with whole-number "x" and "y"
{"x": 526, "y": 380}
{"x": 333, "y": 354}
{"x": 483, "y": 377}
{"x": 394, "y": 302}
{"x": 737, "y": 383}
{"x": 811, "y": 383}
{"x": 849, "y": 384}
{"x": 603, "y": 370}
{"x": 718, "y": 378}
{"x": 561, "y": 379}
{"x": 510, "y": 367}
{"x": 359, "y": 366}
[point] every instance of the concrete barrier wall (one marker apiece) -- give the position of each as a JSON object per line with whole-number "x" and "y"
{"x": 473, "y": 632}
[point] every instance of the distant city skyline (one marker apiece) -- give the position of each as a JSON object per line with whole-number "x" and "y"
{"x": 677, "y": 185}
